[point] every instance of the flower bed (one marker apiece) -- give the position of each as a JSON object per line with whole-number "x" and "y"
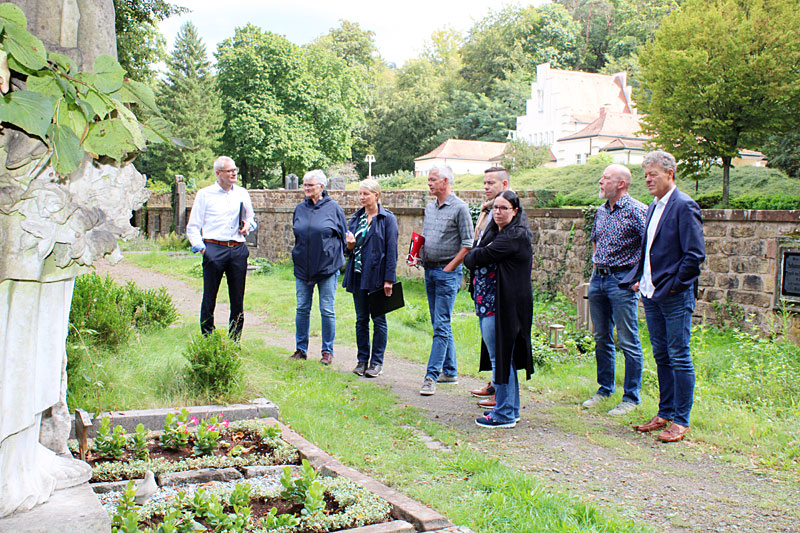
{"x": 303, "y": 504}
{"x": 185, "y": 444}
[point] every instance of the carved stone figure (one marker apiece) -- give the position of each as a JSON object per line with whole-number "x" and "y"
{"x": 51, "y": 229}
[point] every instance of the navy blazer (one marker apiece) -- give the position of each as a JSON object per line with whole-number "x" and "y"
{"x": 678, "y": 247}
{"x": 378, "y": 254}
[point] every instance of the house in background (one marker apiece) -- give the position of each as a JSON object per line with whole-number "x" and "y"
{"x": 565, "y": 102}
{"x": 614, "y": 133}
{"x": 464, "y": 157}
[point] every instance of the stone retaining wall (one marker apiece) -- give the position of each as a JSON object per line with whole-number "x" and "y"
{"x": 740, "y": 270}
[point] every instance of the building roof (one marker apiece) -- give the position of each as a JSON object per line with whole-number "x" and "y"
{"x": 625, "y": 144}
{"x": 461, "y": 149}
{"x": 586, "y": 92}
{"x": 610, "y": 124}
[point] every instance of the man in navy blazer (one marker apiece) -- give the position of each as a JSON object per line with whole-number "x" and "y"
{"x": 666, "y": 276}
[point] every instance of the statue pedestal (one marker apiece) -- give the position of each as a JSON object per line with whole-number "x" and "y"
{"x": 72, "y": 510}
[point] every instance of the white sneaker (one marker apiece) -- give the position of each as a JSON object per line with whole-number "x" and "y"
{"x": 623, "y": 408}
{"x": 594, "y": 400}
{"x": 428, "y": 387}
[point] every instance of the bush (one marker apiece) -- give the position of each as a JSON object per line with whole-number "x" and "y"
{"x": 172, "y": 242}
{"x": 110, "y": 312}
{"x": 215, "y": 365}
{"x": 709, "y": 200}
{"x": 766, "y": 201}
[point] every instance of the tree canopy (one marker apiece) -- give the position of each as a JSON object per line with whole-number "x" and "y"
{"x": 188, "y": 99}
{"x": 723, "y": 75}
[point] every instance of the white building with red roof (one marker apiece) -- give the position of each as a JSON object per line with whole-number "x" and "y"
{"x": 567, "y": 103}
{"x": 464, "y": 157}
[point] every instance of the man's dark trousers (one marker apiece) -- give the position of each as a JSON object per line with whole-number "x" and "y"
{"x": 231, "y": 261}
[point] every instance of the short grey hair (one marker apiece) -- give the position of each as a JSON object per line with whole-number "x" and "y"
{"x": 663, "y": 159}
{"x": 444, "y": 171}
{"x": 371, "y": 185}
{"x": 221, "y": 161}
{"x": 317, "y": 175}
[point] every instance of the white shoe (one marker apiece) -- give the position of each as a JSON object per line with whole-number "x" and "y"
{"x": 594, "y": 400}
{"x": 622, "y": 409}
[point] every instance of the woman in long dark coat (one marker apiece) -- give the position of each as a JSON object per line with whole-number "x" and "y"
{"x": 504, "y": 304}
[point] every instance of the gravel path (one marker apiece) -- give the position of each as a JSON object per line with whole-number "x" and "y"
{"x": 678, "y": 487}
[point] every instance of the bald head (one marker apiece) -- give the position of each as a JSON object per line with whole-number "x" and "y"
{"x": 614, "y": 182}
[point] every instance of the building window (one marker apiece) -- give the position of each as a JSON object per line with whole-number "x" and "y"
{"x": 578, "y": 159}
{"x": 540, "y": 98}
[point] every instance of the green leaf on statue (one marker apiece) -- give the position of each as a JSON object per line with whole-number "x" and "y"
{"x": 134, "y": 92}
{"x": 64, "y": 62}
{"x": 24, "y": 47}
{"x": 108, "y": 74}
{"x": 109, "y": 137}
{"x": 131, "y": 124}
{"x": 44, "y": 84}
{"x": 13, "y": 14}
{"x": 157, "y": 130}
{"x": 67, "y": 151}
{"x": 100, "y": 105}
{"x": 28, "y": 110}
{"x": 71, "y": 116}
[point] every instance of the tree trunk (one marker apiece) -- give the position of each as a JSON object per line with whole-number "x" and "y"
{"x": 726, "y": 174}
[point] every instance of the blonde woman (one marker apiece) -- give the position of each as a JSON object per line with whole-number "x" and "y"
{"x": 372, "y": 247}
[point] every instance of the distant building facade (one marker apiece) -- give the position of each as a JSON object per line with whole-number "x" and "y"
{"x": 567, "y": 103}
{"x": 464, "y": 157}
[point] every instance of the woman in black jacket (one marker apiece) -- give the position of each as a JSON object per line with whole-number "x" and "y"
{"x": 372, "y": 246}
{"x": 504, "y": 305}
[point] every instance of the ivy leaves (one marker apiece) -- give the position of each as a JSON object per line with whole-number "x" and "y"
{"x": 73, "y": 112}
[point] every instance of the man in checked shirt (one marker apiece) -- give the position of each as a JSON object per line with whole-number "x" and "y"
{"x": 616, "y": 243}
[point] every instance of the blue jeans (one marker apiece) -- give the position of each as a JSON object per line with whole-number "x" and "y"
{"x": 442, "y": 288}
{"x": 611, "y": 305}
{"x": 670, "y": 324}
{"x": 327, "y": 311}
{"x": 506, "y": 395}
{"x": 380, "y": 329}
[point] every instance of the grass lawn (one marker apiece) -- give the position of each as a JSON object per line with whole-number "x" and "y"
{"x": 746, "y": 402}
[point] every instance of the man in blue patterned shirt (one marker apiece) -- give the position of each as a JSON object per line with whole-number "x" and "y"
{"x": 616, "y": 243}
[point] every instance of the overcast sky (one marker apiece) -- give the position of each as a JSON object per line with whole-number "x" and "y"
{"x": 401, "y": 27}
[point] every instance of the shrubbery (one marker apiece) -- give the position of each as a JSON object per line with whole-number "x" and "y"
{"x": 215, "y": 366}
{"x": 109, "y": 313}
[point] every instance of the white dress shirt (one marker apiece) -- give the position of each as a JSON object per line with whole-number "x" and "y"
{"x": 646, "y": 286}
{"x": 215, "y": 214}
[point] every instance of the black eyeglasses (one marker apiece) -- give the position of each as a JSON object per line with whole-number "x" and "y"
{"x": 504, "y": 208}
{"x": 230, "y": 170}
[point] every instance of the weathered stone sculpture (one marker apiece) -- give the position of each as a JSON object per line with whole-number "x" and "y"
{"x": 51, "y": 229}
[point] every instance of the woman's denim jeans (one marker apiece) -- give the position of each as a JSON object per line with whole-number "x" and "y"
{"x": 506, "y": 395}
{"x": 327, "y": 311}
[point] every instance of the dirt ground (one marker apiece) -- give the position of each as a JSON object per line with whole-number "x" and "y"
{"x": 684, "y": 490}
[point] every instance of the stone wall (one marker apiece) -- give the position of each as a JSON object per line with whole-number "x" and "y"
{"x": 741, "y": 246}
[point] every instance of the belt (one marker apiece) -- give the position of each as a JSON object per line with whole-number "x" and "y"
{"x": 605, "y": 270}
{"x": 436, "y": 264}
{"x": 224, "y": 243}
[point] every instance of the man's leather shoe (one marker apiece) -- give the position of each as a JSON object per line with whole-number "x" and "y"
{"x": 674, "y": 433}
{"x": 298, "y": 354}
{"x": 488, "y": 402}
{"x": 655, "y": 423}
{"x": 485, "y": 392}
{"x": 327, "y": 358}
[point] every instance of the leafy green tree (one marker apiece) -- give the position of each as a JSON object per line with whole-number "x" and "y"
{"x": 139, "y": 44}
{"x": 351, "y": 43}
{"x": 720, "y": 81}
{"x": 188, "y": 99}
{"x": 287, "y": 109}
{"x": 522, "y": 155}
{"x": 517, "y": 39}
{"x": 783, "y": 152}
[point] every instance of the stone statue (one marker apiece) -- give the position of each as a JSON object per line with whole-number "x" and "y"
{"x": 51, "y": 229}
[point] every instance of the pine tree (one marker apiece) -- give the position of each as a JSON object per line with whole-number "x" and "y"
{"x": 189, "y": 100}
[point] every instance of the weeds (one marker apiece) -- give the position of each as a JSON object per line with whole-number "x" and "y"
{"x": 215, "y": 365}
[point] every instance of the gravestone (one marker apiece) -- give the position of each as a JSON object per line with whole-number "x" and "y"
{"x": 292, "y": 182}
{"x": 336, "y": 183}
{"x": 51, "y": 230}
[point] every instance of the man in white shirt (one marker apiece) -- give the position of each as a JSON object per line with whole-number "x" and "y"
{"x": 667, "y": 273}
{"x": 221, "y": 217}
